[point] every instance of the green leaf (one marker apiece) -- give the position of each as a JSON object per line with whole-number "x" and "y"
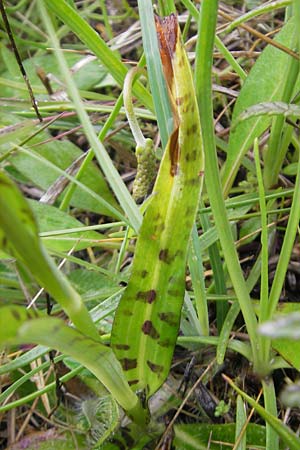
{"x": 86, "y": 75}
{"x": 50, "y": 218}
{"x": 19, "y": 325}
{"x": 96, "y": 44}
{"x": 154, "y": 69}
{"x": 20, "y": 237}
{"x": 32, "y": 164}
{"x": 201, "y": 436}
{"x": 290, "y": 439}
{"x": 270, "y": 109}
{"x": 147, "y": 320}
{"x": 263, "y": 84}
{"x": 284, "y": 331}
{"x": 98, "y": 418}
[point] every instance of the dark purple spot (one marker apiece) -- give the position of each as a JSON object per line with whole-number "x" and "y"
{"x": 132, "y": 382}
{"x": 146, "y": 296}
{"x": 149, "y": 329}
{"x": 156, "y": 368}
{"x": 169, "y": 317}
{"x": 144, "y": 273}
{"x": 122, "y": 346}
{"x": 192, "y": 130}
{"x": 164, "y": 256}
{"x": 128, "y": 363}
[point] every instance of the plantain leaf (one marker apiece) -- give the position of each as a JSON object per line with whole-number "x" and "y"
{"x": 50, "y": 219}
{"x": 263, "y": 84}
{"x": 147, "y": 320}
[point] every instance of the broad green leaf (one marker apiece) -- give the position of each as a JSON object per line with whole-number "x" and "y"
{"x": 147, "y": 320}
{"x": 201, "y": 436}
{"x": 263, "y": 84}
{"x": 11, "y": 132}
{"x": 86, "y": 72}
{"x": 19, "y": 236}
{"x": 61, "y": 153}
{"x": 19, "y": 325}
{"x": 50, "y": 218}
{"x": 291, "y": 440}
{"x": 93, "y": 286}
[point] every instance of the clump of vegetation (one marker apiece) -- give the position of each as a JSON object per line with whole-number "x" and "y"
{"x": 149, "y": 211}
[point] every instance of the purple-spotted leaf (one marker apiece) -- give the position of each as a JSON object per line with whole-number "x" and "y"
{"x": 147, "y": 320}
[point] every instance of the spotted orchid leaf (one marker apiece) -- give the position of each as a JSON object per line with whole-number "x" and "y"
{"x": 147, "y": 320}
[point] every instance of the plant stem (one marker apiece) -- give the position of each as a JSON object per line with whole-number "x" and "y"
{"x": 204, "y": 51}
{"x": 272, "y": 438}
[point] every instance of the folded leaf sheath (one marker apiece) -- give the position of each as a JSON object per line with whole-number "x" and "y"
{"x": 147, "y": 320}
